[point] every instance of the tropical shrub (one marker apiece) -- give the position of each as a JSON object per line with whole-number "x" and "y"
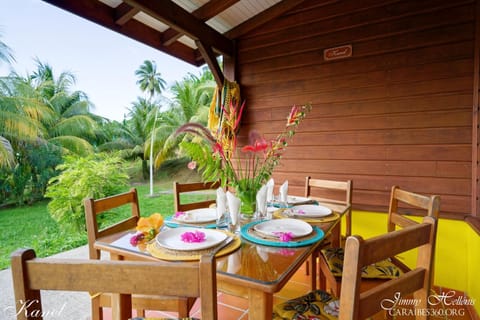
{"x": 26, "y": 181}
{"x": 94, "y": 176}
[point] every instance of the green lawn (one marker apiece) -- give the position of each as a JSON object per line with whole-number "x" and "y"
{"x": 32, "y": 226}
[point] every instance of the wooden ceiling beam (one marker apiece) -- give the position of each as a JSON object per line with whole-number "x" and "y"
{"x": 104, "y": 15}
{"x": 212, "y": 62}
{"x": 203, "y": 13}
{"x": 124, "y": 12}
{"x": 262, "y": 18}
{"x": 181, "y": 20}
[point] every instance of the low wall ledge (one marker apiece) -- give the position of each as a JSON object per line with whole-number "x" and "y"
{"x": 474, "y": 222}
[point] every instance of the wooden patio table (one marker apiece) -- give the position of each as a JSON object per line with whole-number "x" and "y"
{"x": 254, "y": 272}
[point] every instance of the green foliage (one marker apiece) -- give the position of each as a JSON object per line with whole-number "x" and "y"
{"x": 32, "y": 227}
{"x": 27, "y": 180}
{"x": 94, "y": 176}
{"x": 19, "y": 180}
{"x": 40, "y": 117}
{"x": 206, "y": 163}
{"x": 43, "y": 158}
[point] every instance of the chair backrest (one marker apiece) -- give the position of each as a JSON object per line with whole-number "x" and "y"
{"x": 360, "y": 253}
{"x": 95, "y": 207}
{"x": 30, "y": 275}
{"x": 332, "y": 191}
{"x": 179, "y": 188}
{"x": 411, "y": 203}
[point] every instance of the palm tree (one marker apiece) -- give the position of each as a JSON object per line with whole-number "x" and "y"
{"x": 142, "y": 116}
{"x": 6, "y": 54}
{"x": 192, "y": 97}
{"x": 40, "y": 113}
{"x": 20, "y": 113}
{"x": 42, "y": 107}
{"x": 6, "y": 150}
{"x": 71, "y": 123}
{"x": 149, "y": 80}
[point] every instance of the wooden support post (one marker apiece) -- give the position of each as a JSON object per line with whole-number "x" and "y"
{"x": 475, "y": 116}
{"x": 230, "y": 65}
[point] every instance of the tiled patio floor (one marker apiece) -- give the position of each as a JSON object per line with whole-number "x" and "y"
{"x": 234, "y": 308}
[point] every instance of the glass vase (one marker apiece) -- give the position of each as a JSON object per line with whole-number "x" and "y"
{"x": 249, "y": 202}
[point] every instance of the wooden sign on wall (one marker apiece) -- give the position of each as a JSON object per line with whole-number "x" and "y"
{"x": 340, "y": 52}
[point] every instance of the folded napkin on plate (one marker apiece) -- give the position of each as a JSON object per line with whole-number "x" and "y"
{"x": 284, "y": 192}
{"x": 233, "y": 206}
{"x": 262, "y": 200}
{"x": 270, "y": 185}
{"x": 221, "y": 202}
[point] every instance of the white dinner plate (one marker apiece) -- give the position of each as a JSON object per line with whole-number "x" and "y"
{"x": 172, "y": 239}
{"x": 198, "y": 215}
{"x": 270, "y": 228}
{"x": 310, "y": 211}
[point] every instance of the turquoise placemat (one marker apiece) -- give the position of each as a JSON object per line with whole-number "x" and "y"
{"x": 317, "y": 235}
{"x": 174, "y": 224}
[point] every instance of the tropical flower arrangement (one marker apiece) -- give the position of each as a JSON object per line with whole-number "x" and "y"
{"x": 216, "y": 156}
{"x": 195, "y": 236}
{"x": 148, "y": 228}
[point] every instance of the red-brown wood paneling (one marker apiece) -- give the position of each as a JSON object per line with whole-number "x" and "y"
{"x": 397, "y": 112}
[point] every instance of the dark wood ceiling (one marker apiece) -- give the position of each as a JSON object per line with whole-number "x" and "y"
{"x": 195, "y": 31}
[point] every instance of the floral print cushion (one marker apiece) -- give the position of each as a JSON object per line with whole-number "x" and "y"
{"x": 316, "y": 305}
{"x": 384, "y": 269}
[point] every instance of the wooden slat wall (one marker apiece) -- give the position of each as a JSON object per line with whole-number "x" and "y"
{"x": 399, "y": 111}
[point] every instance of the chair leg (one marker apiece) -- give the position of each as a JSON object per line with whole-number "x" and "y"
{"x": 97, "y": 311}
{"x": 141, "y": 313}
{"x": 314, "y": 270}
{"x": 327, "y": 280}
{"x": 184, "y": 307}
{"x": 322, "y": 281}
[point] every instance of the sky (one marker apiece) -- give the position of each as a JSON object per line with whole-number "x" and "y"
{"x": 103, "y": 61}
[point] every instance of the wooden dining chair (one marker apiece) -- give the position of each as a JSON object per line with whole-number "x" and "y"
{"x": 94, "y": 207}
{"x": 359, "y": 302}
{"x": 329, "y": 191}
{"x": 402, "y": 202}
{"x": 182, "y": 188}
{"x": 332, "y": 191}
{"x": 31, "y": 275}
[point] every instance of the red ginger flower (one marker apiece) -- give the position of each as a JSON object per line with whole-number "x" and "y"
{"x": 258, "y": 146}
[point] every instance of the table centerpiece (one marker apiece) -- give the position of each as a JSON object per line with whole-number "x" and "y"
{"x": 246, "y": 169}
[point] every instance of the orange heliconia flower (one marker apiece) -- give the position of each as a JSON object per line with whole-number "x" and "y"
{"x": 153, "y": 222}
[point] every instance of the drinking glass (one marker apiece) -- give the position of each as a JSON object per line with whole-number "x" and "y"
{"x": 234, "y": 223}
